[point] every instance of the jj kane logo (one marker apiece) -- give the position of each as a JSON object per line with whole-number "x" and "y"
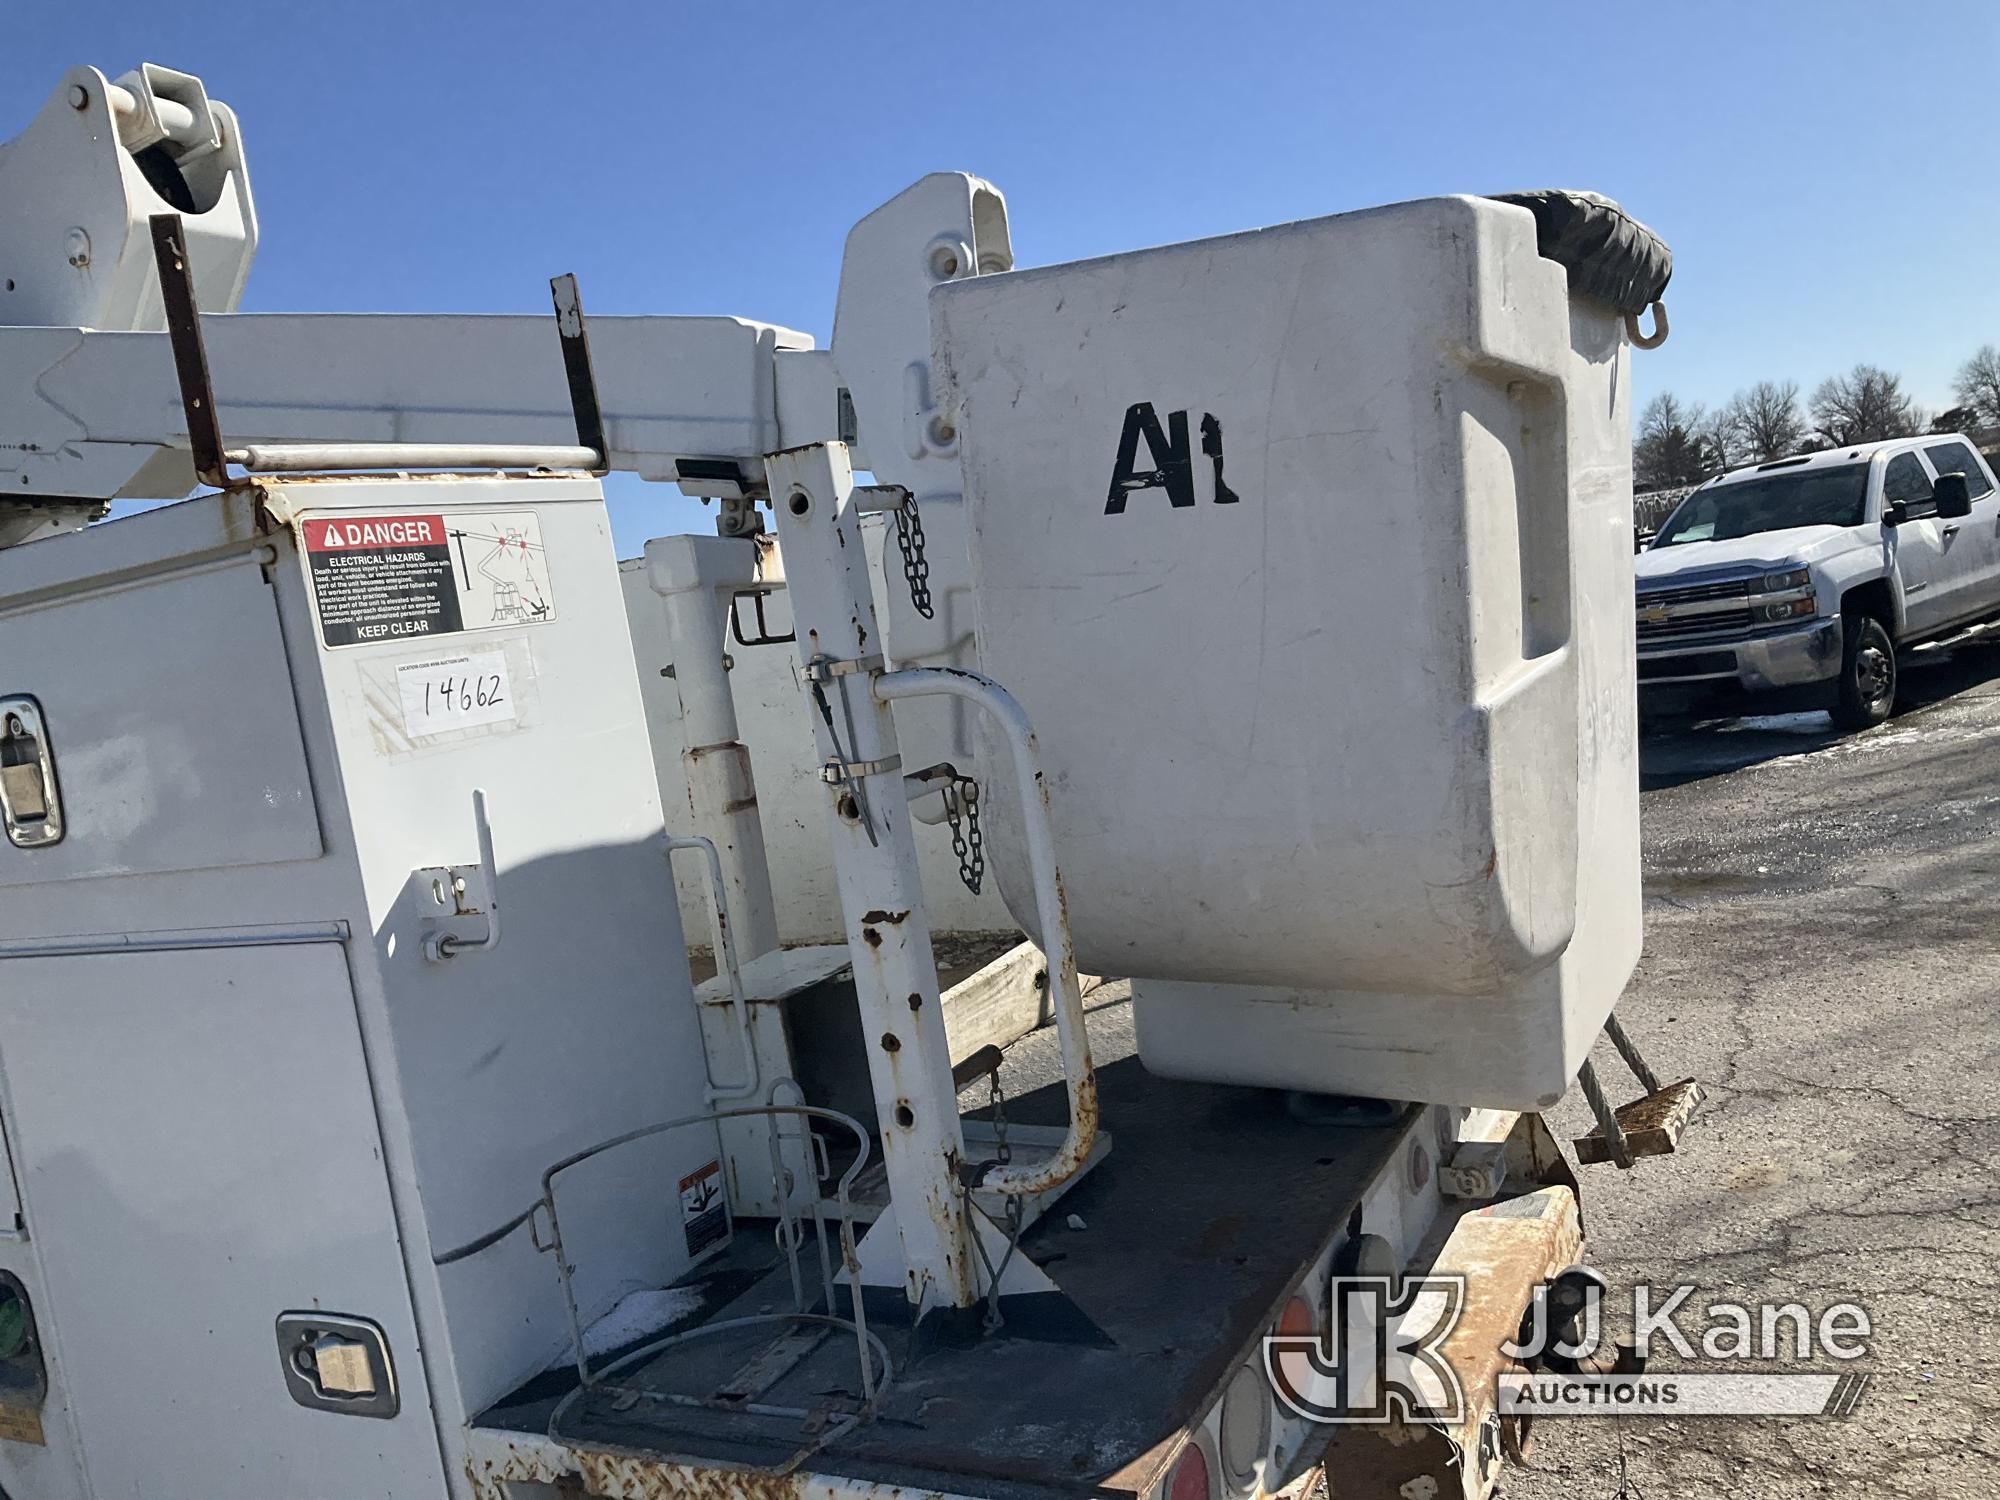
{"x": 1377, "y": 1356}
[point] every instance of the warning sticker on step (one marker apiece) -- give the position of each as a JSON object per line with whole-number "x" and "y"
{"x": 704, "y": 1215}
{"x": 385, "y": 578}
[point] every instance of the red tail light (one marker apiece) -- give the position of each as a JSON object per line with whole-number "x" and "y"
{"x": 1190, "y": 1479}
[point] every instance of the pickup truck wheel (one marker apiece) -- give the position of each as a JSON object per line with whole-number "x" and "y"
{"x": 1867, "y": 674}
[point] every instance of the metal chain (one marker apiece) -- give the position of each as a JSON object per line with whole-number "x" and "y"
{"x": 916, "y": 567}
{"x": 968, "y": 842}
{"x": 1003, "y": 1153}
{"x": 994, "y": 1322}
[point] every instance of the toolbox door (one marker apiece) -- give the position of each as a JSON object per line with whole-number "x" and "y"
{"x": 198, "y": 1158}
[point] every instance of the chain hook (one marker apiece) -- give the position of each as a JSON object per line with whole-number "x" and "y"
{"x": 1648, "y": 341}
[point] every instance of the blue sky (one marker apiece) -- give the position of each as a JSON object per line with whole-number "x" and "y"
{"x": 1824, "y": 172}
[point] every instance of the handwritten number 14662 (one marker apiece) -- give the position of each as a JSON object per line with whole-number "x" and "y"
{"x": 462, "y": 694}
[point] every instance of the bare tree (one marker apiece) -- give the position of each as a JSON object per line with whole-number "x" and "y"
{"x": 1763, "y": 422}
{"x": 1979, "y": 385}
{"x": 1862, "y": 406}
{"x": 1719, "y": 432}
{"x": 1672, "y": 448}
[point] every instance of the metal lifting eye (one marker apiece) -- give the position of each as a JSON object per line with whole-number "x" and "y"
{"x": 1659, "y": 333}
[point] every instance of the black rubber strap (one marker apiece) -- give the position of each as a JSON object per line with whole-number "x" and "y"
{"x": 1608, "y": 253}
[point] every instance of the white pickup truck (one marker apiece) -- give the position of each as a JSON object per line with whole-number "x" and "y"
{"x": 1793, "y": 583}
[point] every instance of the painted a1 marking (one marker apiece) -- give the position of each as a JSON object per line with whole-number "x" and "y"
{"x": 1172, "y": 467}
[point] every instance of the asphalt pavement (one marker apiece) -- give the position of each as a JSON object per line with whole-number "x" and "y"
{"x": 1821, "y": 953}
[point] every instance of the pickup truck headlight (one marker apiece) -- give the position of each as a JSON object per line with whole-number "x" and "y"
{"x": 1785, "y": 595}
{"x": 1787, "y": 609}
{"x": 1784, "y": 581}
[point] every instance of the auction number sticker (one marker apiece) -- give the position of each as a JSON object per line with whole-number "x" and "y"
{"x": 444, "y": 693}
{"x": 384, "y": 578}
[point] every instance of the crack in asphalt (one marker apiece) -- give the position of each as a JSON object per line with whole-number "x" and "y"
{"x": 1819, "y": 952}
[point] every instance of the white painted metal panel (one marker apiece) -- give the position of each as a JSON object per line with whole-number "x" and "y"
{"x": 107, "y": 408}
{"x": 771, "y": 712}
{"x": 179, "y": 747}
{"x": 1302, "y": 548}
{"x": 199, "y": 1153}
{"x": 581, "y": 1023}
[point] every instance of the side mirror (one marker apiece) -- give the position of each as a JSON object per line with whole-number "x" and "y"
{"x": 1953, "y": 497}
{"x": 1894, "y": 514}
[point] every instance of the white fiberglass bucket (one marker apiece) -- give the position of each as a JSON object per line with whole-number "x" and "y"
{"x": 1309, "y": 552}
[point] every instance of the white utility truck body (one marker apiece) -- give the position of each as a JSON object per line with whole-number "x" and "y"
{"x": 199, "y": 1092}
{"x": 367, "y": 1133}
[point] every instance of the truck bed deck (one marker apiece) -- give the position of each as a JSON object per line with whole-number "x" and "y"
{"x": 1210, "y": 1206}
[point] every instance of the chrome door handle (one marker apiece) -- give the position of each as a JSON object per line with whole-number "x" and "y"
{"x": 30, "y": 803}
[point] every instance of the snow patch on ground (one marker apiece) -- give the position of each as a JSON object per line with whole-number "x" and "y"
{"x": 637, "y": 1316}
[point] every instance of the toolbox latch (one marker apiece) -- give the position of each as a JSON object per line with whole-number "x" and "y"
{"x": 30, "y": 800}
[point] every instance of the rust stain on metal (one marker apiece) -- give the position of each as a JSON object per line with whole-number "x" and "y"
{"x": 490, "y": 1475}
{"x": 1652, "y": 1125}
{"x": 1086, "y": 1111}
{"x": 889, "y": 917}
{"x": 616, "y": 1477}
{"x": 1504, "y": 1254}
{"x": 620, "y": 1476}
{"x": 871, "y": 937}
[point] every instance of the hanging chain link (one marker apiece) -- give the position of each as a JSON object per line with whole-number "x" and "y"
{"x": 968, "y": 842}
{"x": 1002, "y": 1152}
{"x": 993, "y": 1322}
{"x": 916, "y": 567}
{"x": 1016, "y": 1213}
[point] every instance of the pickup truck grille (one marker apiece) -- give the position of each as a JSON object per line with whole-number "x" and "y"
{"x": 1728, "y": 588}
{"x": 1694, "y": 609}
{"x": 1707, "y": 624}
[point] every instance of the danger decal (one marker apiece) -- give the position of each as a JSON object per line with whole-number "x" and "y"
{"x": 381, "y": 578}
{"x": 704, "y": 1212}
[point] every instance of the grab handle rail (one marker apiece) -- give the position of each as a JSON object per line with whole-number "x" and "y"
{"x": 1079, "y": 1077}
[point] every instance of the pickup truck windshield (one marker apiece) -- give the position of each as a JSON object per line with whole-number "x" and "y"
{"x": 1806, "y": 497}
